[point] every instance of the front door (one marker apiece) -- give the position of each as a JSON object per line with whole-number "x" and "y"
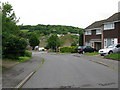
{"x": 98, "y": 45}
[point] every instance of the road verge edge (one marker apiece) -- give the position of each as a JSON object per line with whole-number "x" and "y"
{"x": 30, "y": 75}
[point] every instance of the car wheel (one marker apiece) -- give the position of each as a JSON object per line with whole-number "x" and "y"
{"x": 101, "y": 55}
{"x": 110, "y": 52}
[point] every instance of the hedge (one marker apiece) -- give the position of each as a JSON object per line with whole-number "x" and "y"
{"x": 70, "y": 49}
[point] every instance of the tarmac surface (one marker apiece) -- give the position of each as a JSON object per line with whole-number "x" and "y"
{"x": 73, "y": 71}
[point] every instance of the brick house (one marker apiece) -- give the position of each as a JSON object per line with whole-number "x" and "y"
{"x": 102, "y": 33}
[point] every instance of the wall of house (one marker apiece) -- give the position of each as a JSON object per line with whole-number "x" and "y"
{"x": 112, "y": 33}
{"x": 92, "y": 36}
{"x": 112, "y": 36}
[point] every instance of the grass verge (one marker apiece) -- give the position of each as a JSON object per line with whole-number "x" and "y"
{"x": 24, "y": 30}
{"x": 115, "y": 56}
{"x": 94, "y": 53}
{"x": 8, "y": 63}
{"x": 64, "y": 52}
{"x": 23, "y": 59}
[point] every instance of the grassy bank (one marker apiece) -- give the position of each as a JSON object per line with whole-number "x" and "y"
{"x": 94, "y": 53}
{"x": 8, "y": 63}
{"x": 115, "y": 56}
{"x": 23, "y": 59}
{"x": 24, "y": 30}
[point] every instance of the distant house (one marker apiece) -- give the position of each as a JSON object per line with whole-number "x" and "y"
{"x": 102, "y": 33}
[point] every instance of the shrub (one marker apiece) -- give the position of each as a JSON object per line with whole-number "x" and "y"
{"x": 74, "y": 43}
{"x": 72, "y": 49}
{"x": 28, "y": 53}
{"x": 13, "y": 46}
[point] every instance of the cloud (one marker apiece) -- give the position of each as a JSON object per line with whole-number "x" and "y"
{"x": 79, "y": 13}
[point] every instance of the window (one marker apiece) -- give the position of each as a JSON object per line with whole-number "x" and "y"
{"x": 109, "y": 26}
{"x": 98, "y": 31}
{"x": 88, "y": 33}
{"x": 112, "y": 41}
{"x": 105, "y": 43}
{"x": 87, "y": 43}
{"x": 92, "y": 44}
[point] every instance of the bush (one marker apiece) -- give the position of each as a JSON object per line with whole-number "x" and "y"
{"x": 72, "y": 49}
{"x": 28, "y": 53}
{"x": 74, "y": 43}
{"x": 13, "y": 46}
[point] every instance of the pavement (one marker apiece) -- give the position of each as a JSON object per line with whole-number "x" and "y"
{"x": 13, "y": 76}
{"x": 74, "y": 71}
{"x": 100, "y": 59}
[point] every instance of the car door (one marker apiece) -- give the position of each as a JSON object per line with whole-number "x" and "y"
{"x": 91, "y": 49}
{"x": 88, "y": 49}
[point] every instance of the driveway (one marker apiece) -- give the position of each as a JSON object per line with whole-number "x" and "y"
{"x": 71, "y": 71}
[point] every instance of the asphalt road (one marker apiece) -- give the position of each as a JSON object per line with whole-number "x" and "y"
{"x": 66, "y": 70}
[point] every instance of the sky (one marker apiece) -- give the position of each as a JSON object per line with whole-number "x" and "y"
{"x": 78, "y": 13}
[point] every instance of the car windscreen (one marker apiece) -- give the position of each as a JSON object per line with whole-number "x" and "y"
{"x": 111, "y": 46}
{"x": 81, "y": 47}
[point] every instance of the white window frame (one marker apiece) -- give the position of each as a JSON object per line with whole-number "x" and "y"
{"x": 105, "y": 43}
{"x": 109, "y": 26}
{"x": 115, "y": 40}
{"x": 88, "y": 32}
{"x": 88, "y": 43}
{"x": 98, "y": 31}
{"x": 112, "y": 41}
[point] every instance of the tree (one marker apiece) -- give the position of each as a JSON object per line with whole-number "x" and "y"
{"x": 13, "y": 46}
{"x": 9, "y": 19}
{"x": 53, "y": 42}
{"x": 81, "y": 37}
{"x": 33, "y": 40}
{"x": 81, "y": 40}
{"x": 74, "y": 43}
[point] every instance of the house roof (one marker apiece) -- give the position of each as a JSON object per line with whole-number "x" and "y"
{"x": 97, "y": 24}
{"x": 114, "y": 17}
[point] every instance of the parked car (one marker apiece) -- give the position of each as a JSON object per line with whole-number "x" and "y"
{"x": 84, "y": 49}
{"x": 41, "y": 48}
{"x": 114, "y": 48}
